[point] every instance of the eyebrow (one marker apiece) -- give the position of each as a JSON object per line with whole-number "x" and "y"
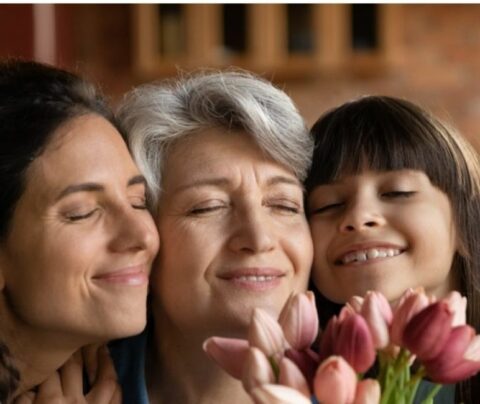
{"x": 95, "y": 187}
{"x": 222, "y": 182}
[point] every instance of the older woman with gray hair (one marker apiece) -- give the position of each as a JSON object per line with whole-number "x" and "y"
{"x": 224, "y": 155}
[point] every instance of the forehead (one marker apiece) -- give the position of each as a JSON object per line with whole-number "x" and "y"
{"x": 85, "y": 148}
{"x": 217, "y": 152}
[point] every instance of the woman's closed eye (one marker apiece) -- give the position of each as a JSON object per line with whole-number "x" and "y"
{"x": 207, "y": 208}
{"x": 139, "y": 202}
{"x": 80, "y": 215}
{"x": 285, "y": 206}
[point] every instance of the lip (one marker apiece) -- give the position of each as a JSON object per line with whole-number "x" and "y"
{"x": 256, "y": 279}
{"x": 129, "y": 276}
{"x": 367, "y": 246}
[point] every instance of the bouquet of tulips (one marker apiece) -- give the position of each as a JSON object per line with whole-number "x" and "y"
{"x": 420, "y": 337}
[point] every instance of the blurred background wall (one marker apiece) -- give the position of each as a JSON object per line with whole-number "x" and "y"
{"x": 322, "y": 55}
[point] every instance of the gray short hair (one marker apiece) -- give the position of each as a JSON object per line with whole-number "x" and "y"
{"x": 155, "y": 115}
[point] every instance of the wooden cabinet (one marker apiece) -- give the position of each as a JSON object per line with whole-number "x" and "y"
{"x": 274, "y": 39}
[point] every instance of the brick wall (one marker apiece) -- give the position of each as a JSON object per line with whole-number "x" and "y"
{"x": 438, "y": 67}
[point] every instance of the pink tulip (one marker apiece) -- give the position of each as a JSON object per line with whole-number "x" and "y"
{"x": 266, "y": 334}
{"x": 378, "y": 314}
{"x": 356, "y": 303}
{"x": 307, "y": 361}
{"x": 276, "y": 394}
{"x": 335, "y": 382}
{"x": 427, "y": 332}
{"x": 291, "y": 376}
{"x": 229, "y": 353}
{"x": 411, "y": 303}
{"x": 349, "y": 336}
{"x": 368, "y": 392}
{"x": 257, "y": 370}
{"x": 458, "y": 306}
{"x": 299, "y": 320}
{"x": 459, "y": 359}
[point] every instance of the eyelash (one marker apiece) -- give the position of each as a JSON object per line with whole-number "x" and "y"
{"x": 76, "y": 218}
{"x": 398, "y": 194}
{"x": 391, "y": 194}
{"x": 326, "y": 208}
{"x": 285, "y": 208}
{"x": 208, "y": 209}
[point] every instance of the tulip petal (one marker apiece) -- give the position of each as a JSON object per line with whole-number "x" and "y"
{"x": 291, "y": 376}
{"x": 266, "y": 334}
{"x": 276, "y": 394}
{"x": 229, "y": 353}
{"x": 368, "y": 392}
{"x": 335, "y": 381}
{"x": 307, "y": 361}
{"x": 458, "y": 306}
{"x": 377, "y": 318}
{"x": 409, "y": 305}
{"x": 257, "y": 370}
{"x": 451, "y": 366}
{"x": 299, "y": 321}
{"x": 427, "y": 332}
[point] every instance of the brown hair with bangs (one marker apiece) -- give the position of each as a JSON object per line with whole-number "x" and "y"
{"x": 384, "y": 133}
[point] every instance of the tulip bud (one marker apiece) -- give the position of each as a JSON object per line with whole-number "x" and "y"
{"x": 459, "y": 359}
{"x": 354, "y": 343}
{"x": 307, "y": 361}
{"x": 275, "y": 394}
{"x": 229, "y": 353}
{"x": 368, "y": 392}
{"x": 410, "y": 303}
{"x": 427, "y": 332}
{"x": 458, "y": 306}
{"x": 350, "y": 337}
{"x": 266, "y": 334}
{"x": 299, "y": 321}
{"x": 335, "y": 381}
{"x": 378, "y": 315}
{"x": 291, "y": 376}
{"x": 257, "y": 370}
{"x": 356, "y": 303}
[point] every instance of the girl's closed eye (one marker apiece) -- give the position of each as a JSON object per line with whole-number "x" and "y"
{"x": 398, "y": 194}
{"x": 326, "y": 208}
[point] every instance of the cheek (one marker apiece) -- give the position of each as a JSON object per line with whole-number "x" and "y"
{"x": 298, "y": 248}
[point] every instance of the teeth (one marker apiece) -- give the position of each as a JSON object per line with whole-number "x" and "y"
{"x": 370, "y": 254}
{"x": 254, "y": 278}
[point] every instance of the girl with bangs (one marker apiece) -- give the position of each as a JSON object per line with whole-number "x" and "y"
{"x": 394, "y": 203}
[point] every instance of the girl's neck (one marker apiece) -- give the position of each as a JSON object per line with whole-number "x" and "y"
{"x": 178, "y": 371}
{"x": 35, "y": 355}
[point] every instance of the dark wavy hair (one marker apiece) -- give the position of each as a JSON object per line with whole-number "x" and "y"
{"x": 385, "y": 133}
{"x": 35, "y": 99}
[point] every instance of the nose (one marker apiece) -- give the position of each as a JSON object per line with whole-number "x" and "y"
{"x": 134, "y": 231}
{"x": 361, "y": 215}
{"x": 252, "y": 232}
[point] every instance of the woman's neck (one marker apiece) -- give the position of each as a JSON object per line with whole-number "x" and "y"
{"x": 178, "y": 371}
{"x": 34, "y": 355}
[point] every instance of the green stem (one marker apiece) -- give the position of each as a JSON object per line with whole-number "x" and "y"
{"x": 397, "y": 375}
{"x": 432, "y": 394}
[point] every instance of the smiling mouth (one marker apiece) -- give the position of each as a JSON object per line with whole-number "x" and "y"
{"x": 254, "y": 279}
{"x": 368, "y": 255}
